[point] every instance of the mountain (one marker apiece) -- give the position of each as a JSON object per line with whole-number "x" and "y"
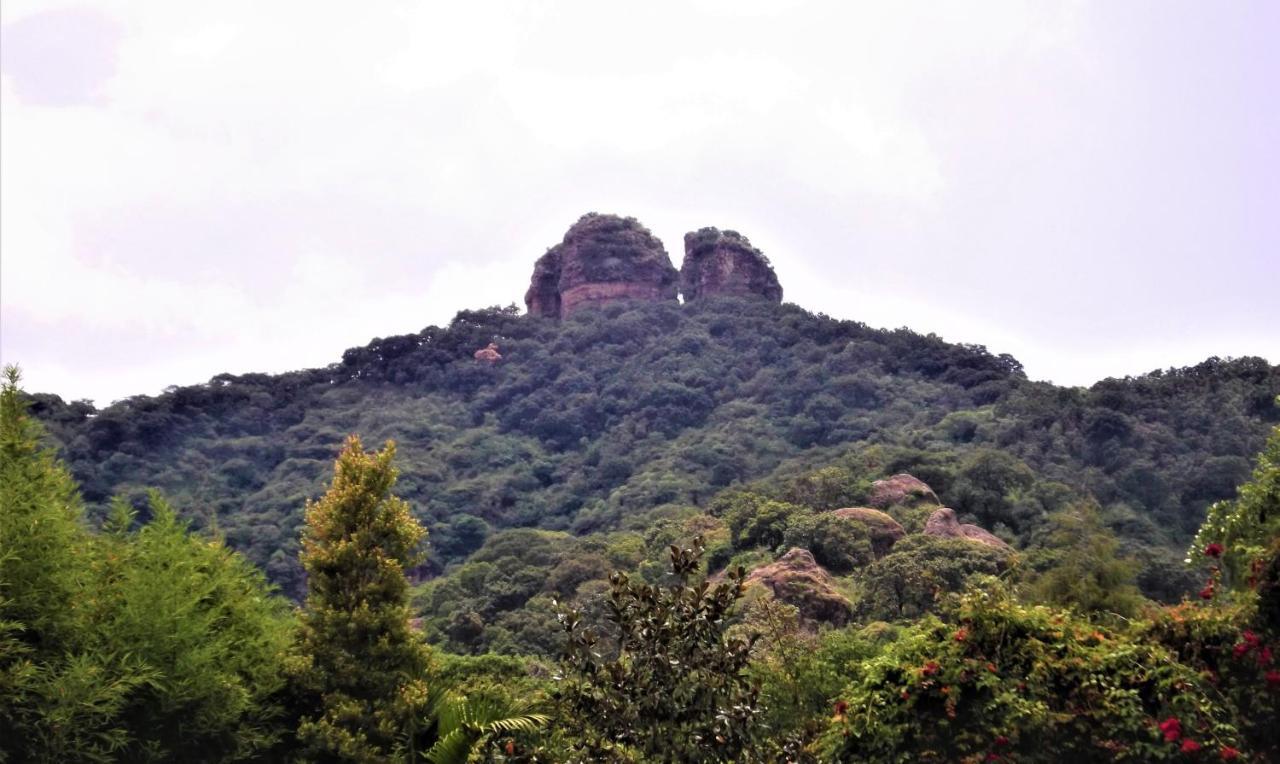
{"x": 612, "y": 407}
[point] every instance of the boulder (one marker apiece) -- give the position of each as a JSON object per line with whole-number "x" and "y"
{"x": 883, "y": 529}
{"x": 902, "y": 489}
{"x": 489, "y": 354}
{"x": 724, "y": 262}
{"x": 797, "y": 579}
{"x": 602, "y": 259}
{"x": 943, "y": 523}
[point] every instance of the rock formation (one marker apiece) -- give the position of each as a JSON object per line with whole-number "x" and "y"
{"x": 543, "y": 297}
{"x": 797, "y": 579}
{"x": 602, "y": 259}
{"x": 724, "y": 262}
{"x": 883, "y": 530}
{"x": 489, "y": 354}
{"x": 901, "y": 490}
{"x": 943, "y": 523}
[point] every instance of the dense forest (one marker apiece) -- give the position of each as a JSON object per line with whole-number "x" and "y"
{"x": 726, "y": 530}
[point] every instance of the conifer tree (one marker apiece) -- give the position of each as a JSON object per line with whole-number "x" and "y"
{"x": 360, "y": 670}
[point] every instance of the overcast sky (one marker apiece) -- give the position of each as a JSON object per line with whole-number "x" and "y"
{"x": 192, "y": 188}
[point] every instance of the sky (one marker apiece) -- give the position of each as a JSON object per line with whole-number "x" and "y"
{"x": 192, "y": 188}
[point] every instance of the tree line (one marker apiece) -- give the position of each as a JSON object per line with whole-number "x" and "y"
{"x": 138, "y": 639}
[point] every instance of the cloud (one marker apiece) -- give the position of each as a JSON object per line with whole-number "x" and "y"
{"x": 244, "y": 186}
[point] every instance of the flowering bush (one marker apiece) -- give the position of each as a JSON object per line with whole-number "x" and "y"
{"x": 1233, "y": 636}
{"x": 1236, "y": 535}
{"x": 1235, "y": 651}
{"x": 1010, "y": 682}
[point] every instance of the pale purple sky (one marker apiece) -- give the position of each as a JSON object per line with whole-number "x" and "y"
{"x": 193, "y": 188}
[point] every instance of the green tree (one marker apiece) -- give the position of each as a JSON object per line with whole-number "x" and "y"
{"x": 676, "y": 688}
{"x": 1087, "y": 572}
{"x": 207, "y": 626}
{"x": 912, "y": 579}
{"x": 1237, "y": 536}
{"x": 61, "y": 691}
{"x": 360, "y": 669}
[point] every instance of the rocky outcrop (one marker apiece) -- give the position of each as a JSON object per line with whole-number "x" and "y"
{"x": 724, "y": 262}
{"x": 901, "y": 490}
{"x": 943, "y": 523}
{"x": 797, "y": 579}
{"x": 489, "y": 354}
{"x": 602, "y": 259}
{"x": 882, "y": 529}
{"x": 543, "y": 297}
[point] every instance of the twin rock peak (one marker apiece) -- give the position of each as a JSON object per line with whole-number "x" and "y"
{"x": 606, "y": 258}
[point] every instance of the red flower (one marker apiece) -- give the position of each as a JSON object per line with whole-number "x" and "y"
{"x": 1273, "y": 678}
{"x": 1229, "y": 753}
{"x": 842, "y": 706}
{"x": 1214, "y": 550}
{"x": 1240, "y": 649}
{"x": 1250, "y": 637}
{"x": 961, "y": 634}
{"x": 1264, "y": 656}
{"x": 1190, "y": 746}
{"x": 991, "y": 667}
{"x": 993, "y": 757}
{"x": 930, "y": 668}
{"x": 905, "y": 694}
{"x": 1001, "y": 740}
{"x": 1172, "y": 729}
{"x": 1207, "y": 592}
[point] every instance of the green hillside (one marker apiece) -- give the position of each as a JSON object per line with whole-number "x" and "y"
{"x": 596, "y": 422}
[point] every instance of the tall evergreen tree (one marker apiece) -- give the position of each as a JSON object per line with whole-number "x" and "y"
{"x": 360, "y": 670}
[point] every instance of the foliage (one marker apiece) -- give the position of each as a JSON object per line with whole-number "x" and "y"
{"x": 616, "y": 411}
{"x": 913, "y": 578}
{"x": 146, "y": 645}
{"x": 1227, "y": 643}
{"x": 1087, "y": 572}
{"x": 1242, "y": 530}
{"x": 359, "y": 667}
{"x": 1007, "y": 681}
{"x": 212, "y": 639}
{"x": 676, "y": 687}
{"x": 1232, "y": 633}
{"x": 801, "y": 672}
{"x": 466, "y": 723}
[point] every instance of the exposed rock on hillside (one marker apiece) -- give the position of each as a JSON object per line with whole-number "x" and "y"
{"x": 543, "y": 297}
{"x": 883, "y": 529}
{"x": 943, "y": 523}
{"x": 489, "y": 354}
{"x": 603, "y": 258}
{"x": 901, "y": 489}
{"x": 797, "y": 579}
{"x": 724, "y": 262}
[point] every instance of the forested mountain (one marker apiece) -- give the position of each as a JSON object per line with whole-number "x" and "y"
{"x": 744, "y": 532}
{"x": 611, "y": 417}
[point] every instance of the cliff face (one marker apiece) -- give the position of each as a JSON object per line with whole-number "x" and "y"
{"x": 724, "y": 262}
{"x": 543, "y": 297}
{"x": 602, "y": 259}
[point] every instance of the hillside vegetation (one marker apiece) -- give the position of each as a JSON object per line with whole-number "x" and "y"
{"x": 614, "y": 417}
{"x": 890, "y": 632}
